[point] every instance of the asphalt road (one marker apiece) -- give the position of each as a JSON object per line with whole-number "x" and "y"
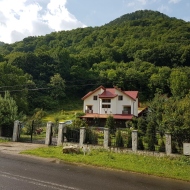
{"x": 18, "y": 172}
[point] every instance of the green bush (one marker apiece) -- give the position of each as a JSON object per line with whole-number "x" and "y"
{"x": 110, "y": 124}
{"x": 129, "y": 140}
{"x": 91, "y": 136}
{"x": 174, "y": 148}
{"x": 119, "y": 139}
{"x": 140, "y": 144}
{"x": 150, "y": 144}
{"x": 162, "y": 146}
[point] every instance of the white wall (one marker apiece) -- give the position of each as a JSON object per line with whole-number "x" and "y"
{"x": 94, "y": 103}
{"x": 116, "y": 105}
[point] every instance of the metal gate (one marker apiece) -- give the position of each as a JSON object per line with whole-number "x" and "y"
{"x": 31, "y": 132}
{"x": 73, "y": 135}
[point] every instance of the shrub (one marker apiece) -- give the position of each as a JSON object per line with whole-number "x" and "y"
{"x": 162, "y": 146}
{"x": 129, "y": 140}
{"x": 151, "y": 136}
{"x": 91, "y": 136}
{"x": 110, "y": 124}
{"x": 140, "y": 144}
{"x": 119, "y": 139}
{"x": 174, "y": 148}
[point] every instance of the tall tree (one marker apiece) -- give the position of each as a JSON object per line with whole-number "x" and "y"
{"x": 8, "y": 109}
{"x": 58, "y": 87}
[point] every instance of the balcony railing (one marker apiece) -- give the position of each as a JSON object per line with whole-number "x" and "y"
{"x": 88, "y": 111}
{"x": 125, "y": 112}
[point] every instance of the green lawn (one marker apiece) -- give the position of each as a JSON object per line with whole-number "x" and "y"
{"x": 170, "y": 167}
{"x": 66, "y": 112}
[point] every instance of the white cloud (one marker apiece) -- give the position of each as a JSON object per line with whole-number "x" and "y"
{"x": 139, "y": 4}
{"x": 22, "y": 18}
{"x": 163, "y": 8}
{"x": 143, "y": 2}
{"x": 174, "y": 1}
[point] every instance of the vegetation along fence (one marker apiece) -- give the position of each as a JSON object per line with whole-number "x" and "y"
{"x": 127, "y": 139}
{"x": 117, "y": 138}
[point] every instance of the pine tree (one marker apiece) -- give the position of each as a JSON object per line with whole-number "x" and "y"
{"x": 119, "y": 139}
{"x": 129, "y": 140}
{"x": 151, "y": 136}
{"x": 110, "y": 124}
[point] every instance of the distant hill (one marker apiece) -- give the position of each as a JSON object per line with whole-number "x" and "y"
{"x": 145, "y": 51}
{"x": 2, "y": 43}
{"x": 147, "y": 35}
{"x": 139, "y": 15}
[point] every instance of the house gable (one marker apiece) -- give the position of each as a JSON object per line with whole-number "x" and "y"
{"x": 111, "y": 101}
{"x": 92, "y": 92}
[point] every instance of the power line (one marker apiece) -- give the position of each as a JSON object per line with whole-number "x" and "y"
{"x": 70, "y": 85}
{"x": 31, "y": 89}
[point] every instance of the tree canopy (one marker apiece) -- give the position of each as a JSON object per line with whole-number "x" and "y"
{"x": 145, "y": 51}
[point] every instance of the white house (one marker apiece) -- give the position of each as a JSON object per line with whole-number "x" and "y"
{"x": 102, "y": 102}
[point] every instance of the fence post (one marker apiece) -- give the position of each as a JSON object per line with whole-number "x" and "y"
{"x": 134, "y": 140}
{"x": 168, "y": 144}
{"x": 61, "y": 130}
{"x": 106, "y": 137}
{"x": 16, "y": 131}
{"x": 82, "y": 136}
{"x": 49, "y": 133}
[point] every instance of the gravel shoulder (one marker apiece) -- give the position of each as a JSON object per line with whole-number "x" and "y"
{"x": 17, "y": 147}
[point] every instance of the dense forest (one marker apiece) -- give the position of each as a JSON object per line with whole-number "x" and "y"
{"x": 145, "y": 51}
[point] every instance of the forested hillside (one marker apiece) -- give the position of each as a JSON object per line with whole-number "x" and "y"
{"x": 2, "y": 43}
{"x": 145, "y": 50}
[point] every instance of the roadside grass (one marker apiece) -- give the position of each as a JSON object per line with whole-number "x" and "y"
{"x": 4, "y": 140}
{"x": 169, "y": 167}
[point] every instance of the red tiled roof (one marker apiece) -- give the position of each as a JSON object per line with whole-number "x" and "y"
{"x": 132, "y": 94}
{"x": 104, "y": 116}
{"x": 108, "y": 93}
{"x": 91, "y": 92}
{"x": 111, "y": 93}
{"x": 122, "y": 116}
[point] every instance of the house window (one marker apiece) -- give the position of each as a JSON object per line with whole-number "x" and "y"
{"x": 120, "y": 97}
{"x": 106, "y": 100}
{"x": 95, "y": 98}
{"x": 126, "y": 110}
{"x": 106, "y": 106}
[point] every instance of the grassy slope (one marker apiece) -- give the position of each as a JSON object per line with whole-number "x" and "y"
{"x": 66, "y": 112}
{"x": 176, "y": 168}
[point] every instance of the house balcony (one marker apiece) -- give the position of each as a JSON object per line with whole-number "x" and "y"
{"x": 125, "y": 112}
{"x": 88, "y": 111}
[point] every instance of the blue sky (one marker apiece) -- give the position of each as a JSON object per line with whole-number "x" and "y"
{"x": 99, "y": 12}
{"x": 23, "y": 18}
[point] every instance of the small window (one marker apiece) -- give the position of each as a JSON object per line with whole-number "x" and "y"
{"x": 126, "y": 110}
{"x": 106, "y": 106}
{"x": 95, "y": 98}
{"x": 120, "y": 97}
{"x": 106, "y": 100}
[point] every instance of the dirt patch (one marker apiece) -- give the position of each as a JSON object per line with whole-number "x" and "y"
{"x": 17, "y": 147}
